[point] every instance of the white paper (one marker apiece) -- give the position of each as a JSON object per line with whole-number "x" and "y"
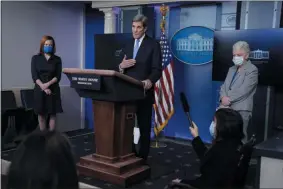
{"x": 136, "y": 135}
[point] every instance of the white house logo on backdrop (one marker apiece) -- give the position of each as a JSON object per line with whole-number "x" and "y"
{"x": 259, "y": 54}
{"x": 231, "y": 20}
{"x": 195, "y": 42}
{"x": 193, "y": 45}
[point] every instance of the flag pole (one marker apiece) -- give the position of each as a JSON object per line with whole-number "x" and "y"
{"x": 156, "y": 143}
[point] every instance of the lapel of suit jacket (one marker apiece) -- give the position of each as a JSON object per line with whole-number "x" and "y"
{"x": 231, "y": 75}
{"x": 237, "y": 75}
{"x": 142, "y": 48}
{"x": 131, "y": 48}
{"x": 241, "y": 72}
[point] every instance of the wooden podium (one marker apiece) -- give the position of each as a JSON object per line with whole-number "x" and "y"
{"x": 114, "y": 97}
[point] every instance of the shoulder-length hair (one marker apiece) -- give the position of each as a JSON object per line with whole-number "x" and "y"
{"x": 229, "y": 125}
{"x": 42, "y": 41}
{"x": 44, "y": 160}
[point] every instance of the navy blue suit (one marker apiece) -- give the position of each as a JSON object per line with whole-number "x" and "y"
{"x": 148, "y": 66}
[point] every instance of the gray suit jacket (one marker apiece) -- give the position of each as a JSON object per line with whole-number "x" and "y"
{"x": 243, "y": 87}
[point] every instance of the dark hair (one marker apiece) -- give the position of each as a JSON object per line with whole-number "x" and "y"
{"x": 42, "y": 41}
{"x": 44, "y": 160}
{"x": 229, "y": 124}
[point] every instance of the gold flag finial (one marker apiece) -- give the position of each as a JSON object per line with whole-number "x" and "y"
{"x": 163, "y": 11}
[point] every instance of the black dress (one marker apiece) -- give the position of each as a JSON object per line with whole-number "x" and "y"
{"x": 45, "y": 71}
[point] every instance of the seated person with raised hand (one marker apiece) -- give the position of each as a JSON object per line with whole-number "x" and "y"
{"x": 218, "y": 164}
{"x": 44, "y": 160}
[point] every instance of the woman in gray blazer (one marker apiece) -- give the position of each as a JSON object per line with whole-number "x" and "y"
{"x": 240, "y": 84}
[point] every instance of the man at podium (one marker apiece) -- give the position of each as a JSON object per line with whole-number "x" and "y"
{"x": 142, "y": 61}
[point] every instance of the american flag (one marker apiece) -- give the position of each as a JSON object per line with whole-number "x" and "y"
{"x": 164, "y": 89}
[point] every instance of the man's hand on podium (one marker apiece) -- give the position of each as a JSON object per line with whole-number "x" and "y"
{"x": 147, "y": 84}
{"x": 127, "y": 63}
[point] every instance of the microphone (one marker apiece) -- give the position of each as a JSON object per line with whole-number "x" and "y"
{"x": 186, "y": 107}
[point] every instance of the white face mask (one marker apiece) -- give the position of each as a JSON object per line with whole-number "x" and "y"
{"x": 238, "y": 60}
{"x": 212, "y": 129}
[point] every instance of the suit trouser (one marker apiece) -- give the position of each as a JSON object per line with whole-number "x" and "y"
{"x": 144, "y": 116}
{"x": 246, "y": 116}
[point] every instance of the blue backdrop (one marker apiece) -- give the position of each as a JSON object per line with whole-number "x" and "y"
{"x": 201, "y": 91}
{"x": 94, "y": 24}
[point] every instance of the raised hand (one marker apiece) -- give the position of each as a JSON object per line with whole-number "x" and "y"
{"x": 127, "y": 63}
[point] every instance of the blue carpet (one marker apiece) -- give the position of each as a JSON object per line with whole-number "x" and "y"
{"x": 174, "y": 161}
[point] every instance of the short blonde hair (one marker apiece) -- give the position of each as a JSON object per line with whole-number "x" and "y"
{"x": 242, "y": 45}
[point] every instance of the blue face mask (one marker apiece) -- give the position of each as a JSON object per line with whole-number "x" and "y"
{"x": 212, "y": 129}
{"x": 47, "y": 49}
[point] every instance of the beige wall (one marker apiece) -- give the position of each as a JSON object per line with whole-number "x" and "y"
{"x": 23, "y": 26}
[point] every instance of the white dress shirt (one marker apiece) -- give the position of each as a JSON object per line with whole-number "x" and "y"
{"x": 140, "y": 42}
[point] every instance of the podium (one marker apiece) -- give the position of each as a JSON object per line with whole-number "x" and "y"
{"x": 114, "y": 97}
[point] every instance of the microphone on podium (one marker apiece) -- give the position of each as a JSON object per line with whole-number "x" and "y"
{"x": 186, "y": 107}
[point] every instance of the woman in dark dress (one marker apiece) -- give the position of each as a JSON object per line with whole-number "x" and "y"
{"x": 218, "y": 163}
{"x": 46, "y": 70}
